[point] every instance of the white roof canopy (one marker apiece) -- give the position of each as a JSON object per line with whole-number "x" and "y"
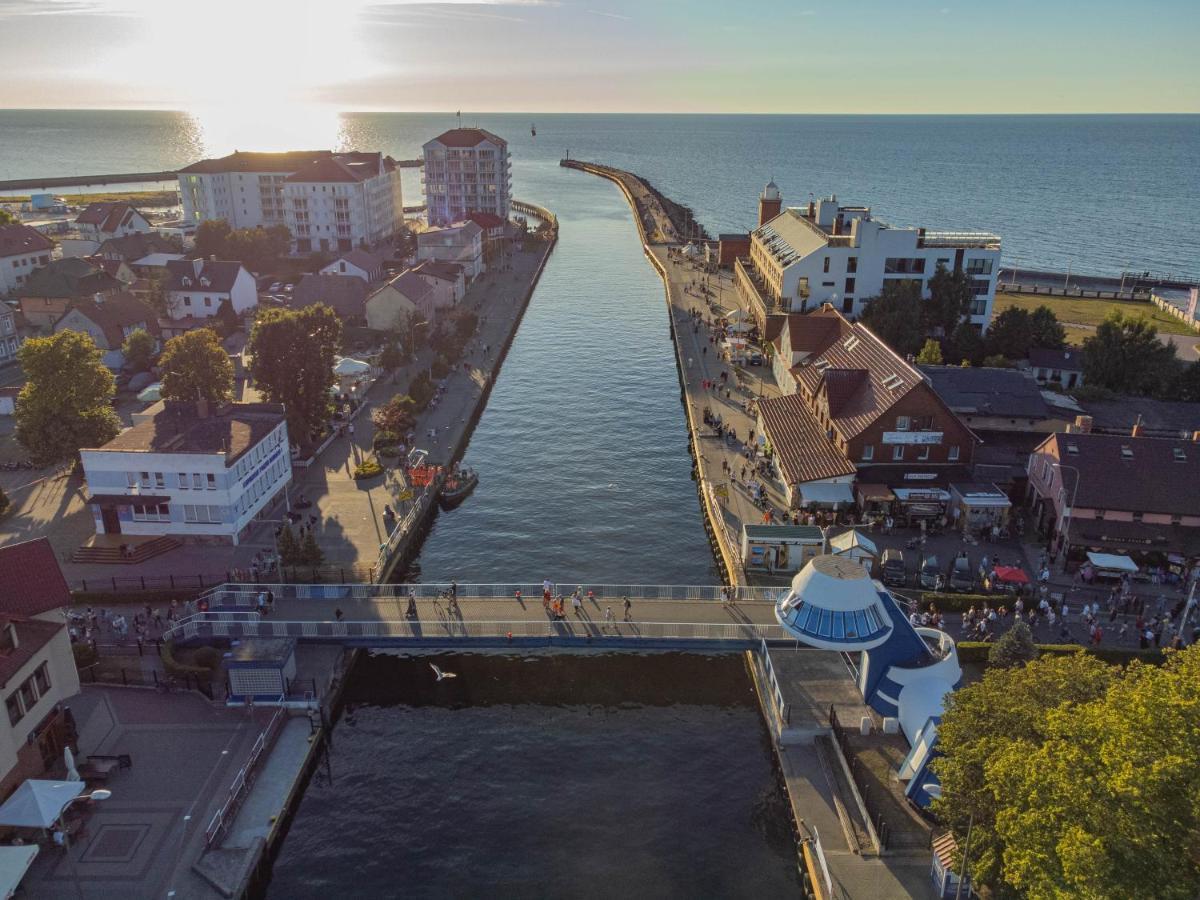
{"x": 38, "y": 804}
{"x": 14, "y": 863}
{"x": 824, "y": 492}
{"x": 851, "y": 540}
{"x": 1112, "y": 561}
{"x": 737, "y": 315}
{"x": 348, "y": 366}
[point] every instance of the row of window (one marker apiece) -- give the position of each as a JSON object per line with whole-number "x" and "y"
{"x": 31, "y": 261}
{"x": 151, "y": 512}
{"x": 196, "y": 481}
{"x": 24, "y": 698}
{"x": 898, "y": 453}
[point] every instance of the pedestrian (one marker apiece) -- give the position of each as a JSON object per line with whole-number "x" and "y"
{"x": 270, "y": 601}
{"x": 608, "y": 615}
{"x": 577, "y": 603}
{"x": 338, "y": 614}
{"x": 261, "y": 602}
{"x": 350, "y": 430}
{"x": 628, "y": 608}
{"x": 454, "y": 590}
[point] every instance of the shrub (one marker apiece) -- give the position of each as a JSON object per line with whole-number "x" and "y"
{"x": 85, "y": 655}
{"x": 395, "y": 416}
{"x": 439, "y": 368}
{"x": 978, "y": 652}
{"x": 386, "y": 439}
{"x": 178, "y": 669}
{"x": 142, "y": 598}
{"x": 208, "y": 657}
{"x": 368, "y": 468}
{"x": 1013, "y": 648}
{"x": 421, "y": 391}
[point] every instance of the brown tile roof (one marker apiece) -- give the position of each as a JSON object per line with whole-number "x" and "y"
{"x": 68, "y": 278}
{"x": 328, "y": 170}
{"x": 813, "y": 332}
{"x": 841, "y": 385}
{"x": 1157, "y": 475}
{"x": 115, "y": 314}
{"x": 32, "y": 636}
{"x": 132, "y": 247}
{"x": 243, "y": 161}
{"x": 31, "y": 581}
{"x": 774, "y": 325}
{"x": 804, "y": 451}
{"x": 468, "y": 137}
{"x": 17, "y": 239}
{"x": 486, "y": 220}
{"x": 345, "y": 296}
{"x": 231, "y": 430}
{"x": 109, "y": 216}
{"x": 221, "y": 275}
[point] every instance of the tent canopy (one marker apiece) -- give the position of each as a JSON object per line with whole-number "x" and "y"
{"x": 151, "y": 394}
{"x": 348, "y": 366}
{"x": 851, "y": 540}
{"x": 737, "y": 315}
{"x": 1012, "y": 575}
{"x": 14, "y": 863}
{"x": 823, "y": 492}
{"x": 1115, "y": 562}
{"x": 38, "y": 804}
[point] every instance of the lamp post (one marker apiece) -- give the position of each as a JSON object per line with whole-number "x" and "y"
{"x": 1064, "y": 523}
{"x": 934, "y": 790}
{"x": 97, "y": 795}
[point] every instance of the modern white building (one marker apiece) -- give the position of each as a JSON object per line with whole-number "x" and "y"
{"x": 190, "y": 471}
{"x": 842, "y": 255}
{"x": 331, "y": 202}
{"x": 22, "y": 249}
{"x": 196, "y": 288}
{"x": 466, "y": 170}
{"x": 460, "y": 243}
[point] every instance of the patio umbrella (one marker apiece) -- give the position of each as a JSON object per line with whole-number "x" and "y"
{"x": 347, "y": 366}
{"x": 152, "y": 394}
{"x": 69, "y": 760}
{"x": 38, "y": 804}
{"x": 1012, "y": 575}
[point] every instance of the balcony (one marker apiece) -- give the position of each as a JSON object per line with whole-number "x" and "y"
{"x": 753, "y": 289}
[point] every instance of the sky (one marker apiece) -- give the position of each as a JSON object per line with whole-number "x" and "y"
{"x": 751, "y": 56}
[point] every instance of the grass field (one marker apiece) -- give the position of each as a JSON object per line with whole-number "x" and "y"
{"x": 148, "y": 199}
{"x": 1081, "y": 311}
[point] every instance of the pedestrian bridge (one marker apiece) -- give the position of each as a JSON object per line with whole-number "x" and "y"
{"x": 495, "y": 615}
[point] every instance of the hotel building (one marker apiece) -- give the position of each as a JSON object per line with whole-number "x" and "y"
{"x": 466, "y": 171}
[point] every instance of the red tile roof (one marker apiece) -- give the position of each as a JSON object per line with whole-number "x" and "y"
{"x": 18, "y": 239}
{"x": 32, "y": 636}
{"x": 804, "y": 451}
{"x": 109, "y": 216}
{"x": 115, "y": 314}
{"x": 241, "y": 161}
{"x": 486, "y": 220}
{"x": 30, "y": 580}
{"x": 813, "y": 332}
{"x": 468, "y": 137}
{"x": 328, "y": 170}
{"x": 841, "y": 385}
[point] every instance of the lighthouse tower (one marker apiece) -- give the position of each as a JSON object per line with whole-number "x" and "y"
{"x": 770, "y": 203}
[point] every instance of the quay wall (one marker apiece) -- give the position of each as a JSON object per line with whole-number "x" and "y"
{"x": 726, "y": 553}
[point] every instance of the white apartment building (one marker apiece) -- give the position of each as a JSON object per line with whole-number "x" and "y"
{"x": 331, "y": 202}
{"x": 10, "y": 336}
{"x": 190, "y": 472}
{"x": 841, "y": 255}
{"x": 466, "y": 170}
{"x": 22, "y": 249}
{"x": 460, "y": 244}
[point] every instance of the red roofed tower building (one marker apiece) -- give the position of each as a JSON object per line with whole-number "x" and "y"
{"x": 466, "y": 171}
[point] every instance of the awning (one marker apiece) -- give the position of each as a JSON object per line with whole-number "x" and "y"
{"x": 1112, "y": 561}
{"x": 921, "y": 495}
{"x": 38, "y": 804}
{"x": 1011, "y": 575}
{"x": 876, "y": 493}
{"x": 14, "y": 863}
{"x": 127, "y": 499}
{"x": 824, "y": 492}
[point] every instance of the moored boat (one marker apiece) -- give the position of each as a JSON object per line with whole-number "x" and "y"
{"x": 457, "y": 486}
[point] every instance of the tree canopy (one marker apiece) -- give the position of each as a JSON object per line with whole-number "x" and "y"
{"x": 66, "y": 401}
{"x": 1082, "y": 777}
{"x": 292, "y": 362}
{"x": 7, "y": 218}
{"x": 949, "y": 300}
{"x": 1126, "y": 355}
{"x": 931, "y": 353}
{"x": 196, "y": 367}
{"x": 1048, "y": 332}
{"x": 258, "y": 248}
{"x": 138, "y": 350}
{"x": 895, "y": 317}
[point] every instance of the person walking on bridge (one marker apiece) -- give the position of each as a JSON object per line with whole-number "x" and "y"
{"x": 628, "y": 608}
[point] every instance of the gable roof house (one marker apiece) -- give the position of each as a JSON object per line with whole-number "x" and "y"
{"x": 109, "y": 321}
{"x": 22, "y": 249}
{"x": 50, "y": 290}
{"x": 101, "y": 221}
{"x": 346, "y": 296}
{"x": 390, "y": 306}
{"x": 197, "y": 288}
{"x": 360, "y": 264}
{"x": 461, "y": 243}
{"x": 447, "y": 280}
{"x": 132, "y": 247}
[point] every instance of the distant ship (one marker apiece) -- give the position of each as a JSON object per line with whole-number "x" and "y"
{"x": 533, "y": 129}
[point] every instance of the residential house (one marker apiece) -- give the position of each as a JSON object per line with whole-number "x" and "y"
{"x": 861, "y": 414}
{"x": 466, "y": 170}
{"x": 842, "y": 255}
{"x": 102, "y": 221}
{"x": 1060, "y": 367}
{"x": 461, "y": 243}
{"x": 398, "y": 302}
{"x": 22, "y": 249}
{"x": 329, "y": 201}
{"x": 495, "y": 234}
{"x": 447, "y": 280}
{"x": 347, "y": 296}
{"x": 109, "y": 321}
{"x": 133, "y": 247}
{"x": 361, "y": 264}
{"x": 50, "y": 290}
{"x": 37, "y": 665}
{"x": 1155, "y": 418}
{"x": 1122, "y": 494}
{"x": 197, "y": 288}
{"x": 10, "y": 334}
{"x": 117, "y": 268}
{"x": 190, "y": 471}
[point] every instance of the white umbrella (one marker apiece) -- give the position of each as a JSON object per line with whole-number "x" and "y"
{"x": 348, "y": 366}
{"x": 151, "y": 394}
{"x": 38, "y": 804}
{"x": 738, "y": 315}
{"x": 69, "y": 760}
{"x": 740, "y": 327}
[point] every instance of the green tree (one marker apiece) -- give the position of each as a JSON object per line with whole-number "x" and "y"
{"x": 7, "y": 218}
{"x": 292, "y": 354}
{"x": 1013, "y": 648}
{"x": 1186, "y": 384}
{"x": 966, "y": 343}
{"x": 1006, "y": 707}
{"x": 158, "y": 298}
{"x": 1105, "y": 803}
{"x": 212, "y": 238}
{"x": 949, "y": 300}
{"x": 66, "y": 401}
{"x": 1126, "y": 355}
{"x": 310, "y": 550}
{"x": 931, "y": 353}
{"x": 996, "y": 361}
{"x": 396, "y": 415}
{"x": 895, "y": 317}
{"x": 1048, "y": 332}
{"x": 196, "y": 367}
{"x": 289, "y": 547}
{"x": 1011, "y": 334}
{"x": 138, "y": 350}
{"x": 391, "y": 358}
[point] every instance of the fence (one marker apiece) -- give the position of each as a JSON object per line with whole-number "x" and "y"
{"x": 337, "y": 574}
{"x": 244, "y": 778}
{"x": 214, "y": 625}
{"x": 876, "y": 824}
{"x": 404, "y": 527}
{"x": 782, "y": 709}
{"x": 95, "y": 674}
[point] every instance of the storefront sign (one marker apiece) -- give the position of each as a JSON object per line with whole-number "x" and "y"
{"x": 912, "y": 437}
{"x": 920, "y": 476}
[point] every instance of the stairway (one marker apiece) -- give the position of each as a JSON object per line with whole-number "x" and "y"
{"x": 111, "y": 555}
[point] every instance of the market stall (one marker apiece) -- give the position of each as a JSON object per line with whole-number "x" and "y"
{"x": 921, "y": 504}
{"x": 853, "y": 545}
{"x": 825, "y": 495}
{"x": 780, "y": 548}
{"x": 875, "y": 500}
{"x": 1008, "y": 579}
{"x": 1107, "y": 566}
{"x": 977, "y": 508}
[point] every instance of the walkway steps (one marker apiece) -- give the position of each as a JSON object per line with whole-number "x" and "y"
{"x": 141, "y": 551}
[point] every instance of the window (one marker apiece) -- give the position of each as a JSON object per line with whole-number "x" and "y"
{"x": 187, "y": 301}
{"x": 953, "y": 454}
{"x": 923, "y": 453}
{"x": 902, "y": 423}
{"x": 41, "y": 678}
{"x": 898, "y": 452}
{"x": 29, "y": 697}
{"x": 208, "y": 302}
{"x": 1099, "y": 514}
{"x": 1137, "y": 516}
{"x": 183, "y": 481}
{"x": 979, "y": 267}
{"x": 159, "y": 480}
{"x": 212, "y": 481}
{"x": 849, "y": 285}
{"x": 852, "y": 264}
{"x": 131, "y": 479}
{"x": 15, "y": 713}
{"x": 826, "y": 268}
{"x": 1177, "y": 520}
{"x": 868, "y": 452}
{"x": 145, "y": 479}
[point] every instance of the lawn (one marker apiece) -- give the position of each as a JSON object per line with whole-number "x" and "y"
{"x": 1082, "y": 311}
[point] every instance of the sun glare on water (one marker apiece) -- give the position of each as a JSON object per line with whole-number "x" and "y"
{"x": 271, "y": 126}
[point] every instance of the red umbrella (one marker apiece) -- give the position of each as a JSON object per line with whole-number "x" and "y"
{"x": 1011, "y": 574}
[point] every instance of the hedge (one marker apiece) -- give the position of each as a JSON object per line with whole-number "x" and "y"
{"x": 167, "y": 653}
{"x": 963, "y": 602}
{"x": 85, "y": 655}
{"x": 161, "y": 598}
{"x": 977, "y": 652}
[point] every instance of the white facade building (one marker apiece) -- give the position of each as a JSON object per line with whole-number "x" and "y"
{"x": 460, "y": 244}
{"x": 330, "y": 202}
{"x": 826, "y": 253}
{"x": 196, "y": 289}
{"x": 113, "y": 219}
{"x": 466, "y": 170}
{"x": 22, "y": 249}
{"x": 188, "y": 471}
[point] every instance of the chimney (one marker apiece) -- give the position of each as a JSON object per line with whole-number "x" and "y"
{"x": 837, "y": 224}
{"x": 812, "y": 209}
{"x": 1083, "y": 424}
{"x": 920, "y": 237}
{"x": 1196, "y": 437}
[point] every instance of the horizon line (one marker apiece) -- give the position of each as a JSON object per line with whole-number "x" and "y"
{"x": 514, "y": 112}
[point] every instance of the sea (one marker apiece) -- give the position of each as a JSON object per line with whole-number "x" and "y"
{"x": 647, "y": 776}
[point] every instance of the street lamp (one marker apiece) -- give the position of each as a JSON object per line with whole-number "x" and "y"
{"x": 97, "y": 795}
{"x": 934, "y": 790}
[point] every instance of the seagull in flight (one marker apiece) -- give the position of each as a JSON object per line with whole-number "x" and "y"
{"x": 440, "y": 674}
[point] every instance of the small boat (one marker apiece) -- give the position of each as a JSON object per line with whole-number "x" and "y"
{"x": 457, "y": 486}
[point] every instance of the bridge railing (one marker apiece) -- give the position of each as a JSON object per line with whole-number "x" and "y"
{"x": 245, "y": 595}
{"x": 440, "y": 629}
{"x": 245, "y": 777}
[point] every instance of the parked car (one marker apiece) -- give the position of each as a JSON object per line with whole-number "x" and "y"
{"x": 756, "y": 359}
{"x": 931, "y": 573}
{"x": 961, "y": 578}
{"x": 892, "y": 569}
{"x": 275, "y": 287}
